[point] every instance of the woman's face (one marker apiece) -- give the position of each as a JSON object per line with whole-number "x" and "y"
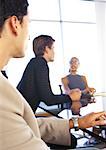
{"x": 74, "y": 64}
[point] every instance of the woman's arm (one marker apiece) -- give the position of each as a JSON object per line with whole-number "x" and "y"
{"x": 87, "y": 89}
{"x": 65, "y": 85}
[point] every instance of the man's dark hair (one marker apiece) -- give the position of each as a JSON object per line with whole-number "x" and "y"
{"x": 12, "y": 7}
{"x": 40, "y": 43}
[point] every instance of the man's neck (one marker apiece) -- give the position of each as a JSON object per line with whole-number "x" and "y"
{"x": 3, "y": 59}
{"x": 46, "y": 58}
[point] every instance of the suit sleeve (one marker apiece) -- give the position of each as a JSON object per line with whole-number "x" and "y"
{"x": 53, "y": 130}
{"x": 44, "y": 88}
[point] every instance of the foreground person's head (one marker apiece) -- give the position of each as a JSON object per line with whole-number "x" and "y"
{"x": 13, "y": 27}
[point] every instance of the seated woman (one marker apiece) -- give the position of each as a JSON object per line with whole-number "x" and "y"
{"x": 74, "y": 81}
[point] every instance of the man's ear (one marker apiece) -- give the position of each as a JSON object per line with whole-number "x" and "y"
{"x": 14, "y": 24}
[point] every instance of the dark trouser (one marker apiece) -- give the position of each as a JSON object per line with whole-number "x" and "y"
{"x": 73, "y": 144}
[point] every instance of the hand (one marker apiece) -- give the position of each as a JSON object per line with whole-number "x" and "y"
{"x": 75, "y": 94}
{"x": 75, "y": 107}
{"x": 89, "y": 90}
{"x": 92, "y": 119}
{"x": 92, "y": 91}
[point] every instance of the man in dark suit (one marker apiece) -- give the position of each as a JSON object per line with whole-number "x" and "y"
{"x": 35, "y": 84}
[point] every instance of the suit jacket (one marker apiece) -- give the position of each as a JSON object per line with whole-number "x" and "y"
{"x": 35, "y": 85}
{"x": 20, "y": 130}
